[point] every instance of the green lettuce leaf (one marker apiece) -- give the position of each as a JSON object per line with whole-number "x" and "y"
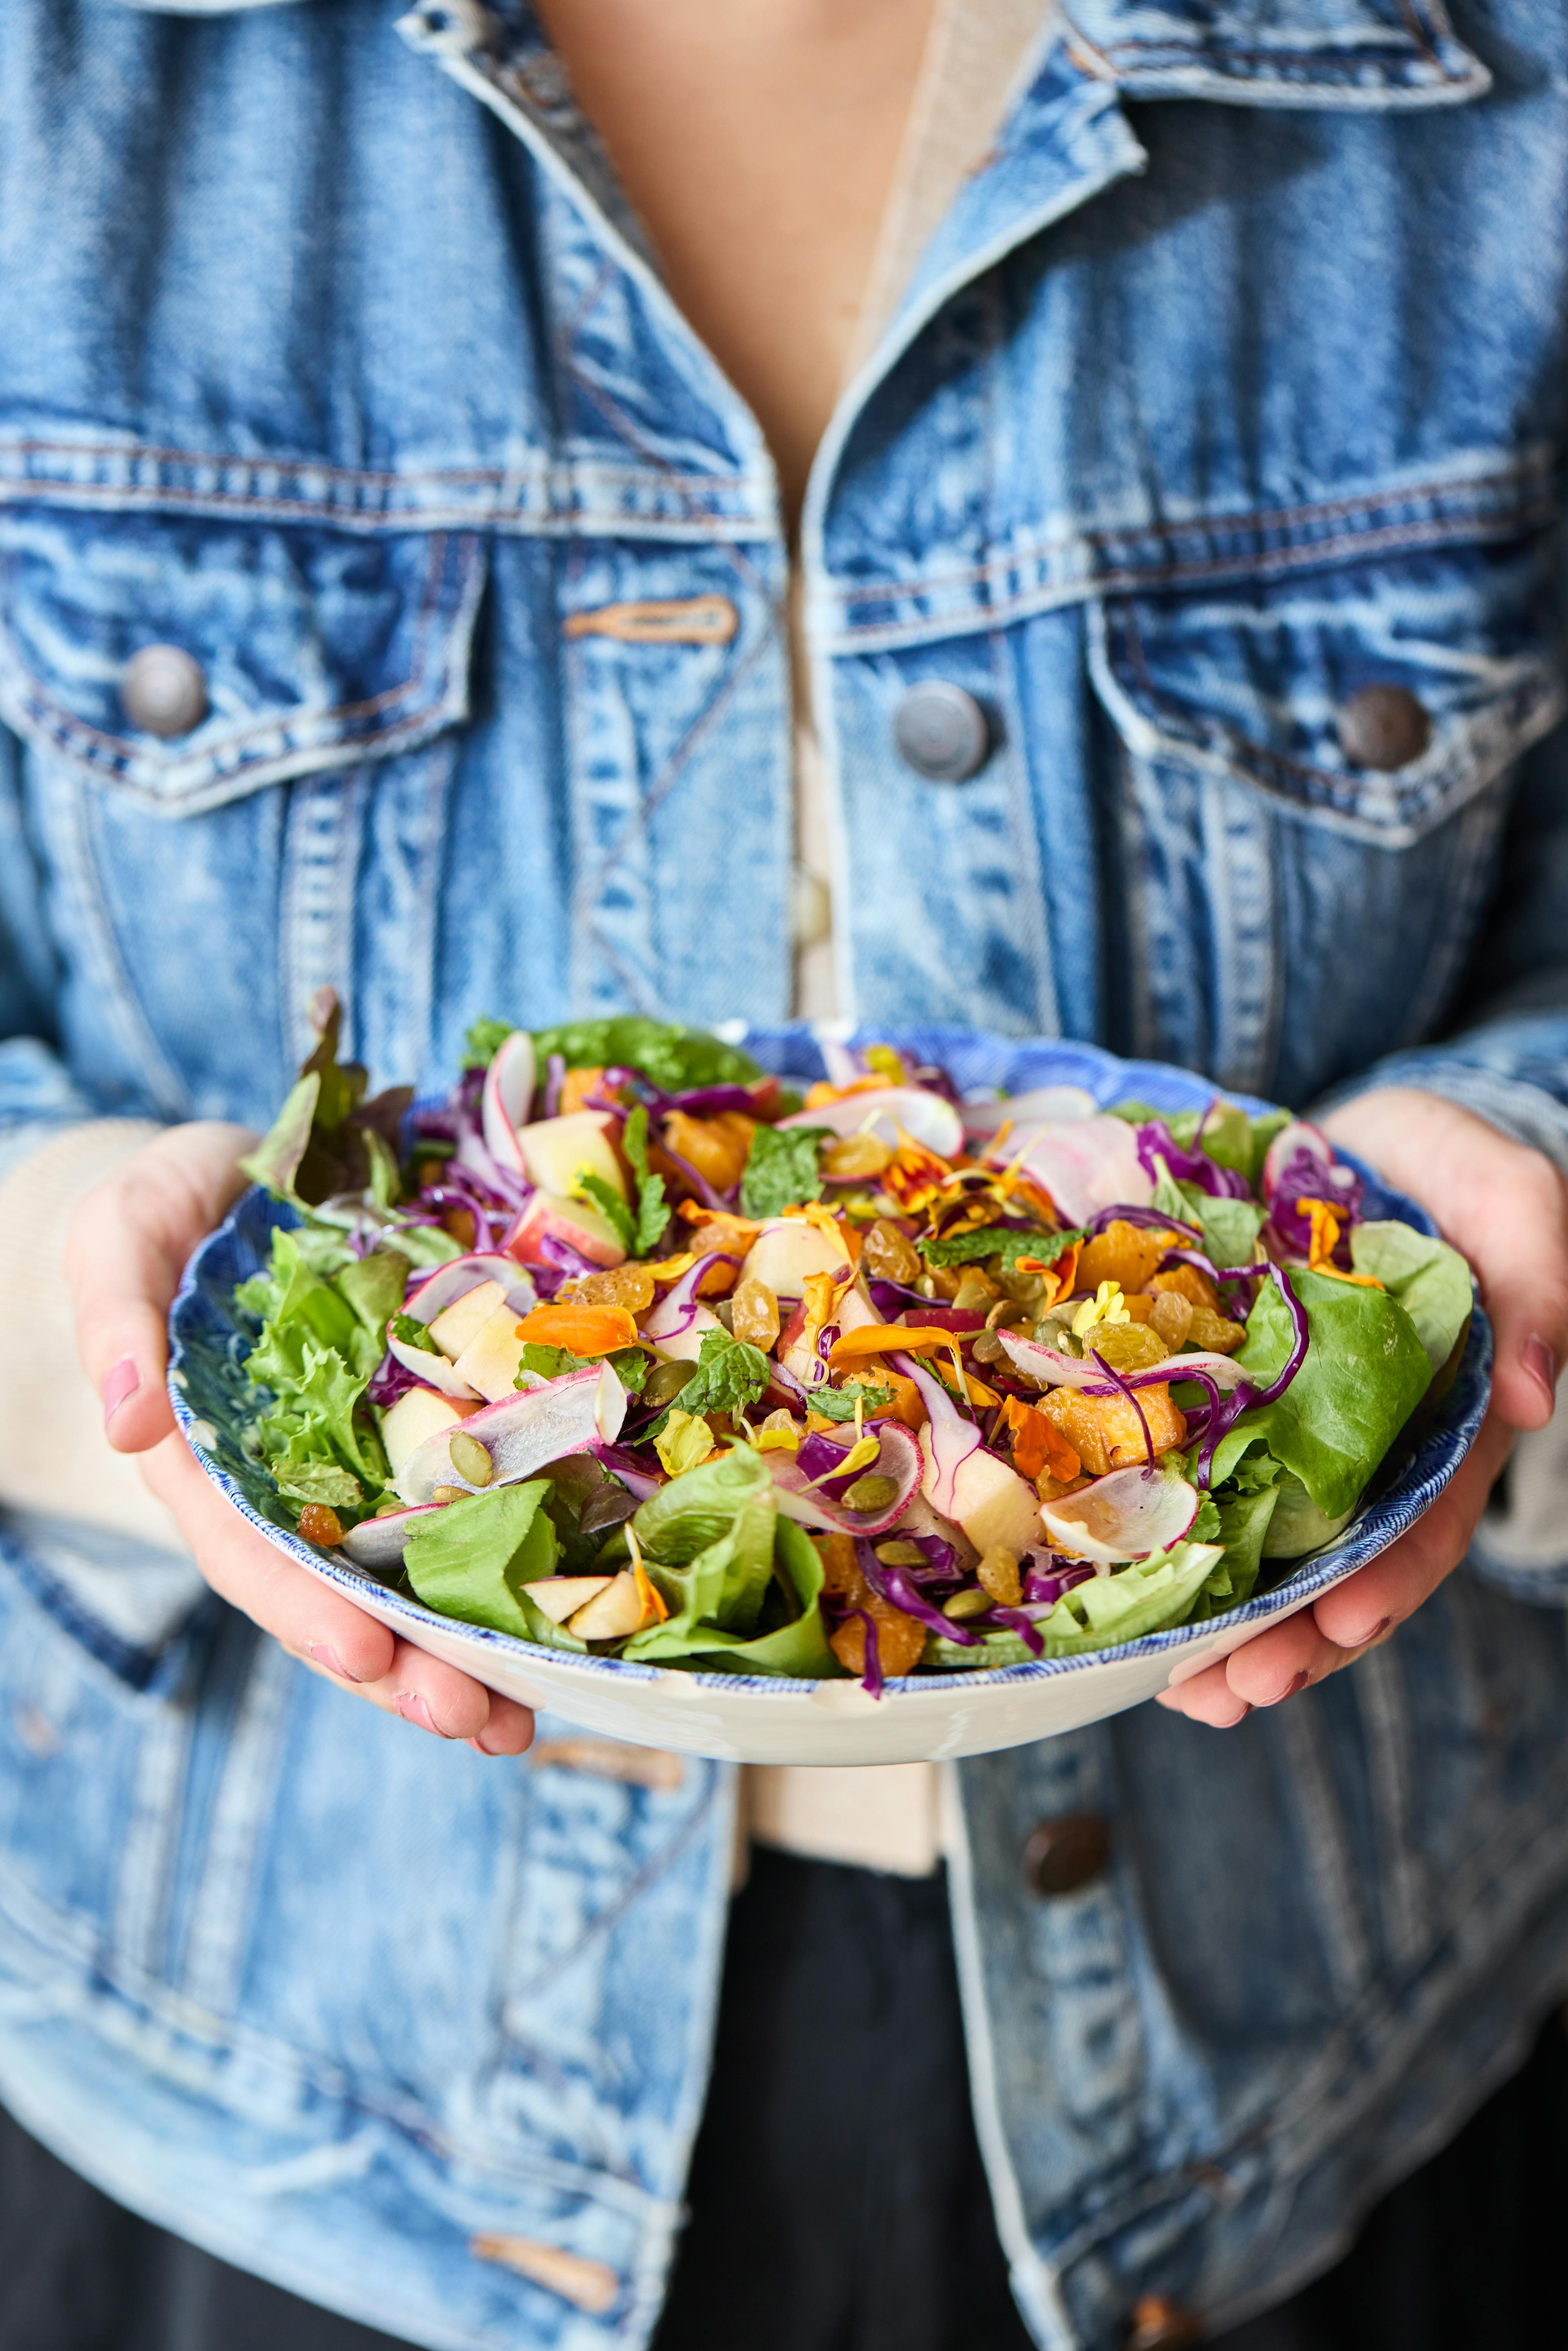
{"x": 675, "y": 1059}
{"x": 1229, "y": 1228}
{"x": 1365, "y": 1371}
{"x": 708, "y": 1539}
{"x": 412, "y": 1334}
{"x": 1298, "y": 1526}
{"x": 782, "y": 1169}
{"x": 472, "y": 1559}
{"x": 1431, "y": 1281}
{"x": 798, "y": 1646}
{"x": 316, "y": 1352}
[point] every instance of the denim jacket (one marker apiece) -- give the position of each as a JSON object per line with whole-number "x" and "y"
{"x": 1231, "y": 387}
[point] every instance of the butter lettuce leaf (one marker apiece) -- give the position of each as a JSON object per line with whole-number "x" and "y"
{"x": 472, "y": 1559}
{"x": 1431, "y": 1281}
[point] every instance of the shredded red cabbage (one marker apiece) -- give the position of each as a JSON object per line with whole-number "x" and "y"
{"x": 895, "y": 1584}
{"x": 1156, "y": 1142}
{"x": 1125, "y": 1213}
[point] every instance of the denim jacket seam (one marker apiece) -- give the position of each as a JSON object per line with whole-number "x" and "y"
{"x": 294, "y": 461}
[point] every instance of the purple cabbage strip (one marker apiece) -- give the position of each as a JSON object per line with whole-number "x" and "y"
{"x": 1112, "y": 1373}
{"x": 1225, "y": 1413}
{"x": 894, "y": 1585}
{"x": 1121, "y": 1212}
{"x": 891, "y": 1298}
{"x": 1012, "y": 1620}
{"x": 1305, "y": 1176}
{"x": 1156, "y": 1142}
{"x": 1044, "y": 1586}
{"x": 390, "y": 1381}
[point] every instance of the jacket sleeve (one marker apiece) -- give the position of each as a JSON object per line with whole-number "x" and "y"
{"x": 1508, "y": 1061}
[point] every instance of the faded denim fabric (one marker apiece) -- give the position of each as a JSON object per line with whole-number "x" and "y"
{"x": 1233, "y": 382}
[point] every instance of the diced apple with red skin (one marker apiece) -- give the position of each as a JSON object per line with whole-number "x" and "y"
{"x": 461, "y": 1322}
{"x": 561, "y": 1596}
{"x": 557, "y": 1153}
{"x": 417, "y": 1413}
{"x": 786, "y": 1250}
{"x": 489, "y": 1363}
{"x": 993, "y": 1503}
{"x": 550, "y": 1216}
{"x": 616, "y": 1611}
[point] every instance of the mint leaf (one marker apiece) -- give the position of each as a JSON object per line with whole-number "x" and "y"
{"x": 611, "y": 1206}
{"x": 782, "y": 1169}
{"x": 999, "y": 1240}
{"x": 839, "y": 1404}
{"x": 630, "y": 1365}
{"x": 652, "y": 1210}
{"x": 412, "y": 1334}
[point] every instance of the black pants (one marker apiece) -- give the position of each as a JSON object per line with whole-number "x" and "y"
{"x": 837, "y": 2195}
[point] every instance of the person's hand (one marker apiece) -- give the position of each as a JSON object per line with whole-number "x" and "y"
{"x": 129, "y": 1244}
{"x": 1506, "y": 1208}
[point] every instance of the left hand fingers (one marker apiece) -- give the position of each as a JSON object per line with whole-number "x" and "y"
{"x": 1357, "y": 1613}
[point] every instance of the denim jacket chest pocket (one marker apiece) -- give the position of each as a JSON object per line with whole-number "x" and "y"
{"x": 202, "y": 882}
{"x": 1314, "y": 780}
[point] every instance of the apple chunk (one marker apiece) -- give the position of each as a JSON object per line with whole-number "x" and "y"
{"x": 461, "y": 1322}
{"x": 558, "y": 1152}
{"x": 551, "y": 1216}
{"x": 417, "y": 1413}
{"x": 786, "y": 1250}
{"x": 993, "y": 1503}
{"x": 561, "y": 1596}
{"x": 490, "y": 1362}
{"x": 617, "y": 1610}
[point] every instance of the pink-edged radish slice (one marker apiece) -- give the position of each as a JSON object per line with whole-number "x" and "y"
{"x": 577, "y": 1226}
{"x": 810, "y": 1506}
{"x": 946, "y": 1443}
{"x": 676, "y": 1324}
{"x": 377, "y": 1543}
{"x": 1300, "y": 1135}
{"x": 991, "y": 1503}
{"x": 523, "y": 1435}
{"x": 1047, "y": 1369}
{"x": 1084, "y": 1163}
{"x": 506, "y": 1101}
{"x": 443, "y": 1288}
{"x": 1042, "y": 1106}
{"x": 1124, "y": 1516}
{"x": 881, "y": 1110}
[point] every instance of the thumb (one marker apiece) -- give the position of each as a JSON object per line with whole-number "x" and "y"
{"x": 129, "y": 1243}
{"x": 1523, "y": 1262}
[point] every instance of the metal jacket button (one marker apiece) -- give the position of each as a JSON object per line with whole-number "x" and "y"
{"x": 1065, "y": 1853}
{"x": 162, "y": 691}
{"x": 1158, "y": 2323}
{"x": 1384, "y": 726}
{"x": 942, "y": 732}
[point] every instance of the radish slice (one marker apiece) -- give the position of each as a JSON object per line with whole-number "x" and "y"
{"x": 507, "y": 1099}
{"x": 1126, "y": 1515}
{"x": 443, "y": 1288}
{"x": 524, "y": 1434}
{"x": 899, "y": 1458}
{"x": 1300, "y": 1135}
{"x": 1084, "y": 1163}
{"x": 1047, "y": 1369}
{"x": 881, "y": 1110}
{"x": 680, "y": 1311}
{"x": 951, "y": 1435}
{"x": 1045, "y": 1105}
{"x": 377, "y": 1543}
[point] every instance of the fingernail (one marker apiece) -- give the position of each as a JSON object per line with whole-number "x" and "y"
{"x": 477, "y": 1744}
{"x": 120, "y": 1384}
{"x": 1542, "y": 1364}
{"x": 413, "y": 1709}
{"x": 1297, "y": 1682}
{"x": 1383, "y": 1625}
{"x": 332, "y": 1662}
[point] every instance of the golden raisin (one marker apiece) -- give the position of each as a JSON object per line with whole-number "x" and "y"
{"x": 998, "y": 1574}
{"x": 889, "y": 1255}
{"x": 1215, "y": 1333}
{"x": 1172, "y": 1317}
{"x": 631, "y": 1286}
{"x": 755, "y": 1314}
{"x": 1127, "y": 1346}
{"x": 320, "y": 1523}
{"x": 851, "y": 1158}
{"x": 1188, "y": 1283}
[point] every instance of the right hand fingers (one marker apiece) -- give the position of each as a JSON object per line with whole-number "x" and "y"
{"x": 129, "y": 1244}
{"x": 317, "y": 1624}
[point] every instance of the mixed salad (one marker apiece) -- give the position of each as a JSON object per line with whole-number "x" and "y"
{"x": 631, "y": 1350}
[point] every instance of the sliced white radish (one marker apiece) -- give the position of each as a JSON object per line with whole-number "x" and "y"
{"x": 506, "y": 1101}
{"x": 419, "y": 1415}
{"x": 898, "y": 1458}
{"x": 561, "y": 1596}
{"x": 551, "y": 1216}
{"x": 1084, "y": 1163}
{"x": 378, "y": 1543}
{"x": 1047, "y": 1105}
{"x": 881, "y": 1110}
{"x": 677, "y": 1323}
{"x": 524, "y": 1434}
{"x": 558, "y": 1152}
{"x": 1126, "y": 1515}
{"x": 786, "y": 1250}
{"x": 1049, "y": 1369}
{"x": 1300, "y": 1135}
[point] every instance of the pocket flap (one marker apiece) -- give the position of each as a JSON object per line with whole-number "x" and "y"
{"x": 314, "y": 649}
{"x": 1376, "y": 704}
